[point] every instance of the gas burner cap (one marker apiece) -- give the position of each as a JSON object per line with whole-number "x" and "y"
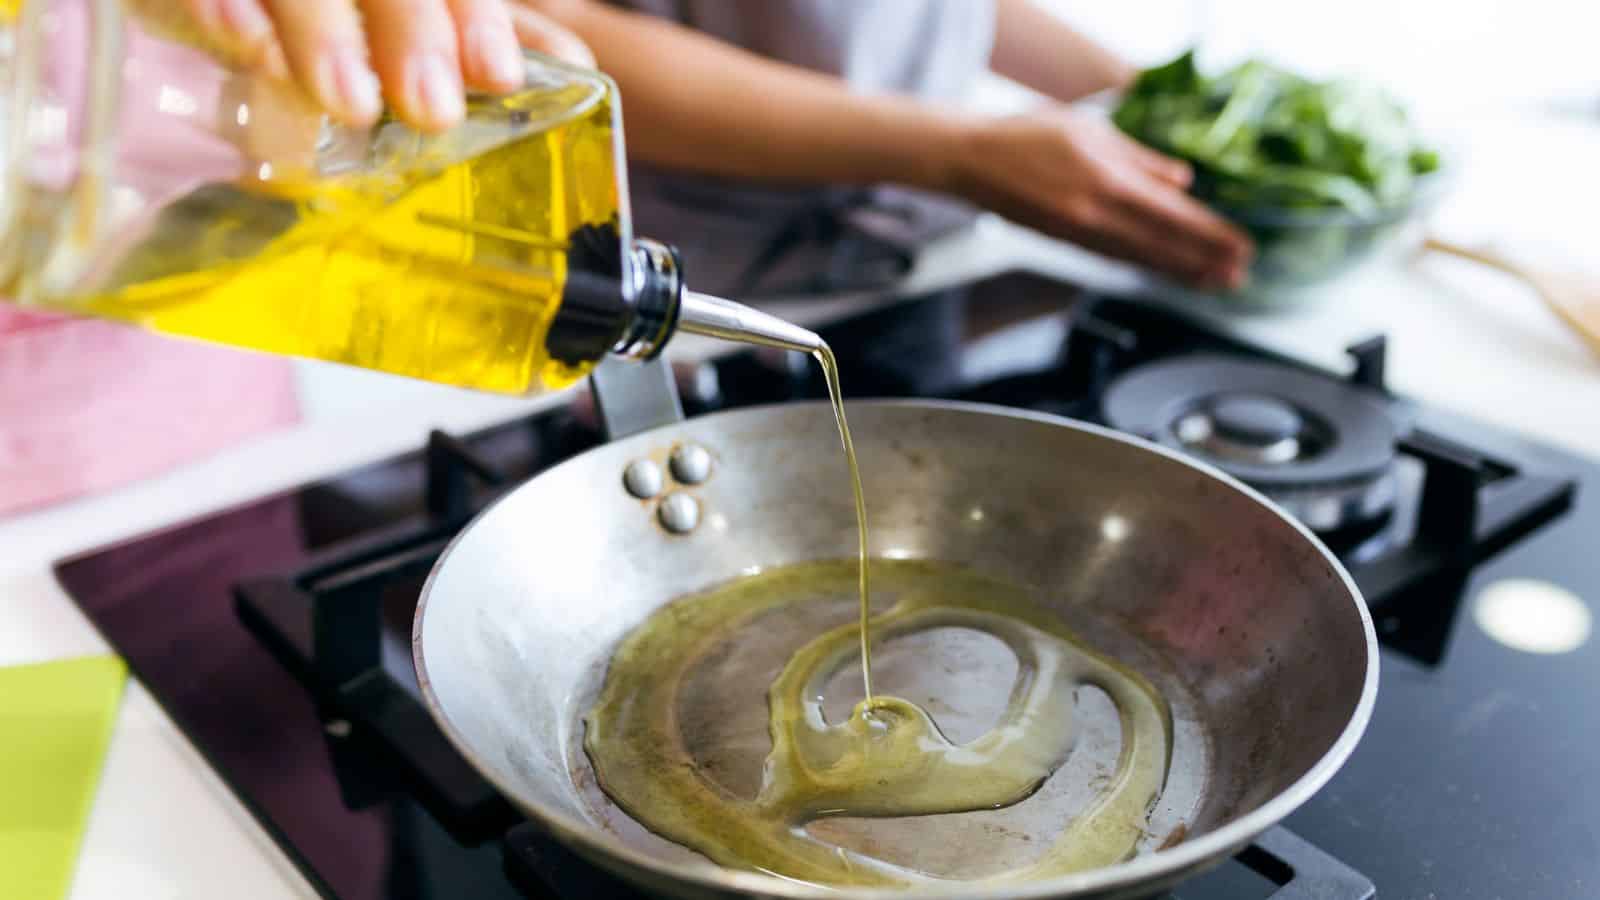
{"x": 1321, "y": 448}
{"x": 1251, "y": 428}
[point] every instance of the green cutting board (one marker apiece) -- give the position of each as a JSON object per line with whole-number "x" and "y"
{"x": 55, "y": 723}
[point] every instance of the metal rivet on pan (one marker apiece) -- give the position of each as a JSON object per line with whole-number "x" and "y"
{"x": 642, "y": 478}
{"x": 690, "y": 463}
{"x": 679, "y": 513}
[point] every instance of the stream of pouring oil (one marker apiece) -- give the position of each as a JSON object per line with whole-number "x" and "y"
{"x": 888, "y": 758}
{"x": 830, "y": 374}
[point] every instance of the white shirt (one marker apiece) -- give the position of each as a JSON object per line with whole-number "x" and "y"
{"x": 931, "y": 49}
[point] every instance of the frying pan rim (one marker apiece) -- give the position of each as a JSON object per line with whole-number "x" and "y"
{"x": 1145, "y": 868}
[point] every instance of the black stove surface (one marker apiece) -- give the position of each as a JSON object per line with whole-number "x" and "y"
{"x": 1473, "y": 781}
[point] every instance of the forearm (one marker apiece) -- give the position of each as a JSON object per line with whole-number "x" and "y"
{"x": 1037, "y": 49}
{"x": 694, "y": 103}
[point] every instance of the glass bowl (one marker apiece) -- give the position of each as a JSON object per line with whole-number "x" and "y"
{"x": 1298, "y": 249}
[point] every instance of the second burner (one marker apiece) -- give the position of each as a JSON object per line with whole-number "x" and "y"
{"x": 1321, "y": 448}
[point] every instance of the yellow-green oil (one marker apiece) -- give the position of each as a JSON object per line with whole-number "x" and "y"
{"x": 830, "y": 374}
{"x": 889, "y": 758}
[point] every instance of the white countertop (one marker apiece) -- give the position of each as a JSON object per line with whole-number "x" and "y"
{"x": 165, "y": 826}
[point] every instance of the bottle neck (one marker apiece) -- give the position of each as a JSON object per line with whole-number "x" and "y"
{"x": 606, "y": 307}
{"x": 634, "y": 312}
{"x": 657, "y": 295}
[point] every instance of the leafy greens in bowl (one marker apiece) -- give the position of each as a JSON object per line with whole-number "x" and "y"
{"x": 1319, "y": 173}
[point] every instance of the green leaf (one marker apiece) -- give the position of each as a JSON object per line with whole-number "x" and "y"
{"x": 1270, "y": 137}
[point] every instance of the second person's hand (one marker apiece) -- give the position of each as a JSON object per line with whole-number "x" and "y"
{"x": 418, "y": 55}
{"x": 1077, "y": 177}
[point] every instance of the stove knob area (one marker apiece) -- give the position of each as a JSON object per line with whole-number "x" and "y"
{"x": 699, "y": 385}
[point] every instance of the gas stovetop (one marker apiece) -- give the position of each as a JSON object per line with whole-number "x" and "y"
{"x": 276, "y": 634}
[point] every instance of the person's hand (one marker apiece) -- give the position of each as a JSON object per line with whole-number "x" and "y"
{"x": 1077, "y": 177}
{"x": 420, "y": 55}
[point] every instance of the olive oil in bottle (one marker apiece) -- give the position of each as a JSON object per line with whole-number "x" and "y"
{"x": 453, "y": 276}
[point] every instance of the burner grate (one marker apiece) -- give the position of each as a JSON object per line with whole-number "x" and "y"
{"x": 325, "y": 621}
{"x": 1468, "y": 504}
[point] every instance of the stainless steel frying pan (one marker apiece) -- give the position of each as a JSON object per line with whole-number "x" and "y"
{"x": 1251, "y": 629}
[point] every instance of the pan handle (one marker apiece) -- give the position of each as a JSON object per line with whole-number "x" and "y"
{"x": 1302, "y": 871}
{"x": 634, "y": 397}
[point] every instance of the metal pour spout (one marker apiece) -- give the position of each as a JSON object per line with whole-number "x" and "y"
{"x": 639, "y": 394}
{"x": 715, "y": 317}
